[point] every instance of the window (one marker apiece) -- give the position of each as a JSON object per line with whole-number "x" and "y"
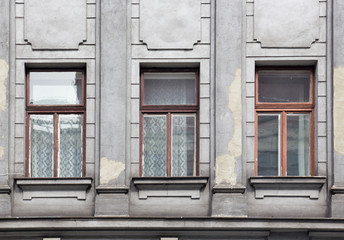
{"x": 169, "y": 123}
{"x": 55, "y": 123}
{"x": 284, "y": 122}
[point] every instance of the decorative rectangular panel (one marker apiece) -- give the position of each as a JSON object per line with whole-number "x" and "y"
{"x": 286, "y": 23}
{"x": 52, "y": 24}
{"x": 170, "y": 24}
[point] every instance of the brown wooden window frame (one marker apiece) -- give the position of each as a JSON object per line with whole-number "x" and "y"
{"x": 168, "y": 110}
{"x": 55, "y": 110}
{"x": 283, "y": 109}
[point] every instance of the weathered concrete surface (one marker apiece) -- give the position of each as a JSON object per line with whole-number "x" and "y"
{"x": 338, "y": 110}
{"x": 113, "y": 85}
{"x": 5, "y": 201}
{"x": 110, "y": 170}
{"x": 113, "y": 106}
{"x": 166, "y": 24}
{"x": 225, "y": 164}
{"x": 337, "y": 200}
{"x": 51, "y": 24}
{"x": 286, "y": 23}
{"x": 228, "y": 109}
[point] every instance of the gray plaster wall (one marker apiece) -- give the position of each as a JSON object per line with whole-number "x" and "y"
{"x": 5, "y": 205}
{"x": 180, "y": 40}
{"x": 270, "y": 46}
{"x": 44, "y": 53}
{"x": 225, "y": 36}
{"x": 113, "y": 108}
{"x": 229, "y": 109}
{"x": 337, "y": 69}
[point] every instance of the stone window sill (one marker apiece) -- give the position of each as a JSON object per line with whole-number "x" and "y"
{"x": 54, "y": 187}
{"x": 5, "y": 189}
{"x": 112, "y": 189}
{"x": 287, "y": 186}
{"x": 170, "y": 186}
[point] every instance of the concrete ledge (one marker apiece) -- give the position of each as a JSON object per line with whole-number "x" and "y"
{"x": 54, "y": 187}
{"x": 228, "y": 189}
{"x": 170, "y": 186}
{"x": 287, "y": 186}
{"x": 112, "y": 189}
{"x": 5, "y": 189}
{"x": 337, "y": 190}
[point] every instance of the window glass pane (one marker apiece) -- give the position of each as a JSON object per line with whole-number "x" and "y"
{"x": 183, "y": 144}
{"x": 70, "y": 145}
{"x": 55, "y": 88}
{"x": 41, "y": 145}
{"x": 268, "y": 145}
{"x": 169, "y": 88}
{"x": 154, "y": 145}
{"x": 284, "y": 86}
{"x": 298, "y": 154}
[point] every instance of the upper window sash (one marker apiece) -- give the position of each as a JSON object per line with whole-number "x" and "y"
{"x": 283, "y": 88}
{"x": 167, "y": 89}
{"x": 58, "y": 88}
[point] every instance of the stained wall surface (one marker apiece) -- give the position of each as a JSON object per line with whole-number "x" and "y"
{"x": 224, "y": 42}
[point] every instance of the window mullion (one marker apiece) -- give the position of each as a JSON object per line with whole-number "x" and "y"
{"x": 284, "y": 143}
{"x": 56, "y": 146}
{"x": 168, "y": 147}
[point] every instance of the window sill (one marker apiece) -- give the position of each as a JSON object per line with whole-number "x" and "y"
{"x": 337, "y": 190}
{"x": 112, "y": 189}
{"x": 228, "y": 189}
{"x": 5, "y": 189}
{"x": 287, "y": 186}
{"x": 170, "y": 186}
{"x": 54, "y": 187}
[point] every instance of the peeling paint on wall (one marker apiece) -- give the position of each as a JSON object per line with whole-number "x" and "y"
{"x": 3, "y": 81}
{"x": 2, "y": 152}
{"x": 110, "y": 170}
{"x": 225, "y": 164}
{"x": 338, "y": 109}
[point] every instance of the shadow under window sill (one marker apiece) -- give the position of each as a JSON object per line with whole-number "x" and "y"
{"x": 289, "y": 186}
{"x": 170, "y": 186}
{"x": 71, "y": 187}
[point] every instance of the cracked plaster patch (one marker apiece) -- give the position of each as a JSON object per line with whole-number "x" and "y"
{"x": 225, "y": 164}
{"x": 110, "y": 170}
{"x": 338, "y": 109}
{"x": 3, "y": 82}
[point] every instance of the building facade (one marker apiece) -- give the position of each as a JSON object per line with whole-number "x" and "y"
{"x": 171, "y": 119}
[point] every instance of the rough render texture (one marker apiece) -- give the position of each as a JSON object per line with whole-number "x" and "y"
{"x": 113, "y": 89}
{"x": 5, "y": 200}
{"x": 64, "y": 23}
{"x": 225, "y": 164}
{"x": 112, "y": 159}
{"x": 166, "y": 24}
{"x": 338, "y": 100}
{"x": 286, "y": 23}
{"x": 228, "y": 93}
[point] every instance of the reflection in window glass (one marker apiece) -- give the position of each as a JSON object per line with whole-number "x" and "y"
{"x": 284, "y": 86}
{"x": 268, "y": 145}
{"x": 55, "y": 88}
{"x": 298, "y": 153}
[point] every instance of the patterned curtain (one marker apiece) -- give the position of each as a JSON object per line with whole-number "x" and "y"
{"x": 154, "y": 145}
{"x": 183, "y": 145}
{"x": 41, "y": 145}
{"x": 70, "y": 145}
